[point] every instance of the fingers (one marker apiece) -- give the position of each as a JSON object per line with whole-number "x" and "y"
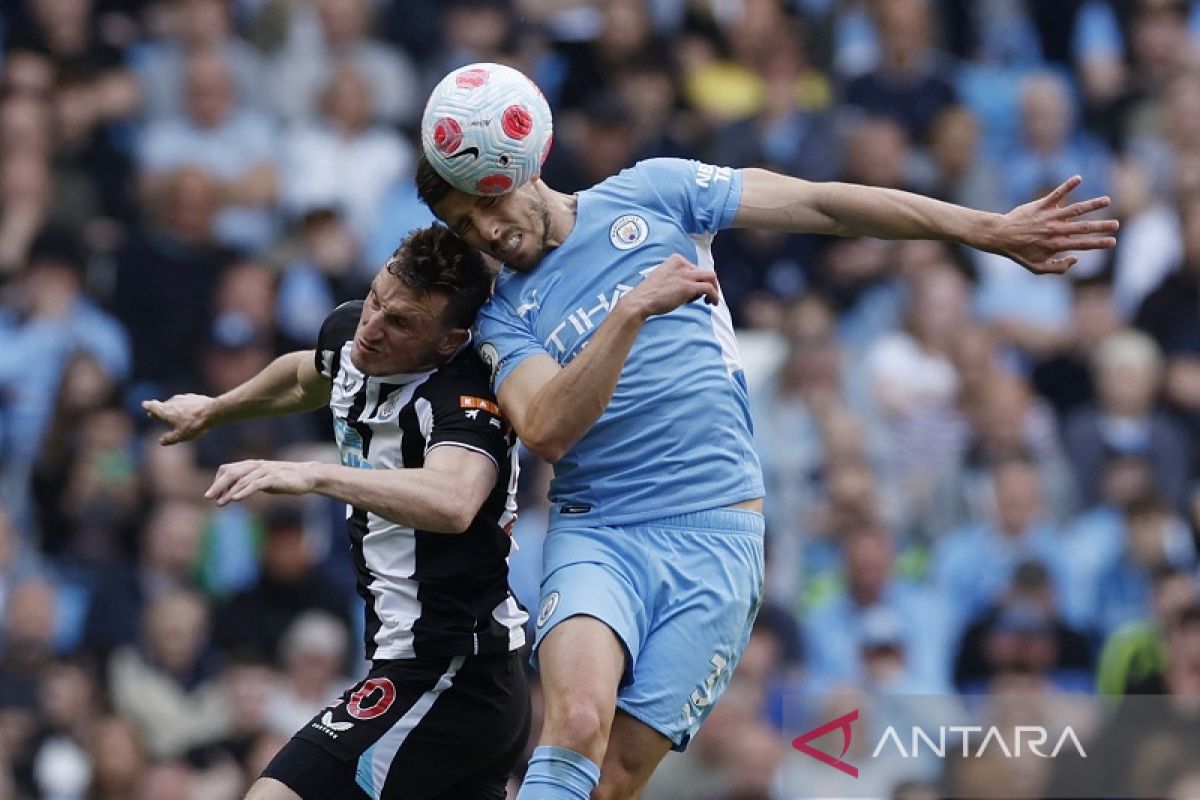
{"x": 710, "y": 289}
{"x": 1088, "y": 243}
{"x": 1085, "y": 207}
{"x": 1064, "y": 189}
{"x": 1091, "y": 226}
{"x": 231, "y": 481}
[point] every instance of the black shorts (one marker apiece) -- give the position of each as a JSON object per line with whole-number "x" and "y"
{"x": 419, "y": 729}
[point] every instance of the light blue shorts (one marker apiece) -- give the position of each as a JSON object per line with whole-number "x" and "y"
{"x": 681, "y": 594}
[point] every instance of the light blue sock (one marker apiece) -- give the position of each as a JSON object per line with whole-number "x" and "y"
{"x": 556, "y": 773}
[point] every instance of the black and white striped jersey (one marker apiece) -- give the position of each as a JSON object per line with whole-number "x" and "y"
{"x": 426, "y": 593}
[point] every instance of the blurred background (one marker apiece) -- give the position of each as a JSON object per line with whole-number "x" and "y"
{"x": 979, "y": 481}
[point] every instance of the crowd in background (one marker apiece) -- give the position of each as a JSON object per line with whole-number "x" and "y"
{"x": 978, "y": 480}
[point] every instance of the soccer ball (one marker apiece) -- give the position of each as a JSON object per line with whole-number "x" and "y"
{"x": 487, "y": 129}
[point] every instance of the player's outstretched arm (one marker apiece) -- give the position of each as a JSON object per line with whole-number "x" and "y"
{"x": 1037, "y": 235}
{"x": 287, "y": 385}
{"x": 552, "y": 407}
{"x": 444, "y": 496}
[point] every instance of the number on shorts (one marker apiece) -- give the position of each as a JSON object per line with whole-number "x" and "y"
{"x": 387, "y": 695}
{"x": 702, "y": 696}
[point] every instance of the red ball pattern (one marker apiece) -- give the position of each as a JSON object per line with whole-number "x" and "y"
{"x": 447, "y": 135}
{"x": 471, "y": 78}
{"x": 493, "y": 184}
{"x": 516, "y": 122}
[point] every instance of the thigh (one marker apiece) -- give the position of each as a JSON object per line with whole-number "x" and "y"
{"x": 471, "y": 741}
{"x": 412, "y": 728}
{"x": 711, "y": 592}
{"x": 307, "y": 771}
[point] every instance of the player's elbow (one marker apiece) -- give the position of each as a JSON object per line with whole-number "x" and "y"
{"x": 545, "y": 448}
{"x": 462, "y": 517}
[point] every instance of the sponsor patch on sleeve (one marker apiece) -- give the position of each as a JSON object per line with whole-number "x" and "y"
{"x": 466, "y": 401}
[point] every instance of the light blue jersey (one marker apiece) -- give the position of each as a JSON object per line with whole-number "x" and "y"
{"x": 677, "y": 436}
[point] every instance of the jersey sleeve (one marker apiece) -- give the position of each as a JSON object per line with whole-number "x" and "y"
{"x": 337, "y": 329}
{"x": 703, "y": 197}
{"x": 465, "y": 412}
{"x": 503, "y": 339}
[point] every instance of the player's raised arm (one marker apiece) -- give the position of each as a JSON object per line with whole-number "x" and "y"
{"x": 1037, "y": 235}
{"x": 287, "y": 385}
{"x": 443, "y": 496}
{"x": 552, "y": 407}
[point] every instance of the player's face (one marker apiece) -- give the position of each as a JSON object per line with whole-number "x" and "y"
{"x": 513, "y": 228}
{"x": 402, "y": 329}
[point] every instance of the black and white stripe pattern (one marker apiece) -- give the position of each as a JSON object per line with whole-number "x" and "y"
{"x": 426, "y": 593}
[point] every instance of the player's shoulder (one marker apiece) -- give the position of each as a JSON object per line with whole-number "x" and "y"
{"x": 338, "y": 328}
{"x": 466, "y": 373}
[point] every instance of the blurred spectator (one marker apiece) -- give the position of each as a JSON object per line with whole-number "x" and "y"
{"x": 1149, "y": 249}
{"x": 471, "y": 31}
{"x": 605, "y": 145}
{"x": 1135, "y": 652}
{"x": 171, "y": 541}
{"x": 1023, "y": 630}
{"x": 321, "y": 35}
{"x": 1003, "y": 419}
{"x": 1126, "y": 418}
{"x": 254, "y": 621}
{"x": 64, "y": 33}
{"x": 909, "y": 371}
{"x": 649, "y": 88}
{"x": 874, "y": 611}
{"x": 27, "y": 641}
{"x": 625, "y": 31}
{"x": 118, "y": 759}
{"x": 1169, "y": 314}
{"x": 1052, "y": 148}
{"x": 165, "y": 278}
{"x": 974, "y": 565}
{"x": 26, "y": 193}
{"x": 236, "y": 147}
{"x": 313, "y": 654}
{"x": 166, "y": 684}
{"x": 343, "y": 161}
{"x": 792, "y": 132}
{"x": 909, "y": 84}
{"x": 1062, "y": 374}
{"x": 92, "y": 177}
{"x": 326, "y": 267}
{"x": 877, "y": 154}
{"x": 50, "y": 321}
{"x": 1155, "y": 539}
{"x": 193, "y": 26}
{"x": 958, "y": 169}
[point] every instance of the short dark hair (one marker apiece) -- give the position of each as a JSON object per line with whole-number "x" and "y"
{"x": 433, "y": 259}
{"x": 432, "y": 188}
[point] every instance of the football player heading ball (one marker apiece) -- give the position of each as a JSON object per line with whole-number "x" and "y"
{"x": 608, "y": 366}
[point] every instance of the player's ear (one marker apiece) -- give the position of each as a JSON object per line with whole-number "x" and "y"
{"x": 452, "y": 340}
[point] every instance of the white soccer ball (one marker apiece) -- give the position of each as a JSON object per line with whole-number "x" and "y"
{"x": 487, "y": 129}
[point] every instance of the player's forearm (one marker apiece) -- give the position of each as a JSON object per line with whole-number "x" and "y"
{"x": 788, "y": 204}
{"x": 288, "y": 385}
{"x": 571, "y": 402}
{"x": 421, "y": 499}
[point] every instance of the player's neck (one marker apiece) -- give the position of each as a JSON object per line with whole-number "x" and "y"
{"x": 561, "y": 210}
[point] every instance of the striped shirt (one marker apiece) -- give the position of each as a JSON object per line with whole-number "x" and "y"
{"x": 426, "y": 593}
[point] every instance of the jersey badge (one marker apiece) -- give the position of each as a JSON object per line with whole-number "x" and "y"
{"x": 628, "y": 232}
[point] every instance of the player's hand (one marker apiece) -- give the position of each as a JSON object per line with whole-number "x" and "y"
{"x": 1039, "y": 234}
{"x": 187, "y": 414}
{"x": 241, "y": 479}
{"x": 674, "y": 282}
